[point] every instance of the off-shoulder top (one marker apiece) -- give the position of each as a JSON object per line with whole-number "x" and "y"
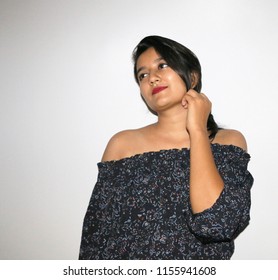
{"x": 140, "y": 208}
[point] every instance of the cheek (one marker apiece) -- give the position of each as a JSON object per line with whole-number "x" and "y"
{"x": 179, "y": 87}
{"x": 177, "y": 82}
{"x": 143, "y": 90}
{"x": 182, "y": 87}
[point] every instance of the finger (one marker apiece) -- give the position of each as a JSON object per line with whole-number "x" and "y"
{"x": 203, "y": 95}
{"x": 184, "y": 102}
{"x": 197, "y": 96}
{"x": 189, "y": 97}
{"x": 192, "y": 92}
{"x": 205, "y": 98}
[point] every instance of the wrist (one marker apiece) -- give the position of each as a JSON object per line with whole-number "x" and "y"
{"x": 198, "y": 132}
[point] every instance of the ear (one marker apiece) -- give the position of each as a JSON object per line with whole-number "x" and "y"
{"x": 194, "y": 79}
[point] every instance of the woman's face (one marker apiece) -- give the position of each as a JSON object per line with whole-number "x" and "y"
{"x": 160, "y": 86}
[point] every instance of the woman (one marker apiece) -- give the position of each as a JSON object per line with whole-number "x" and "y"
{"x": 175, "y": 189}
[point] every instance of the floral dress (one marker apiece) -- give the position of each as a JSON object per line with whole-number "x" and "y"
{"x": 140, "y": 208}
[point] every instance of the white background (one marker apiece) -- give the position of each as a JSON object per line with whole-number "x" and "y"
{"x": 67, "y": 86}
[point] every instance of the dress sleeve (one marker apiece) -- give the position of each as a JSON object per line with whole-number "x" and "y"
{"x": 230, "y": 214}
{"x": 96, "y": 210}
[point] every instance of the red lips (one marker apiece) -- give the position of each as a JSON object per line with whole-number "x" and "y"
{"x": 158, "y": 89}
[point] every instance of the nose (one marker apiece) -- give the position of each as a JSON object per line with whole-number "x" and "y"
{"x": 154, "y": 78}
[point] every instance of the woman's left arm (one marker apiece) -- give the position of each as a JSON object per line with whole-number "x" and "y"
{"x": 219, "y": 204}
{"x": 206, "y": 183}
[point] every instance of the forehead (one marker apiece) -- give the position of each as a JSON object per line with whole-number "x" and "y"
{"x": 150, "y": 56}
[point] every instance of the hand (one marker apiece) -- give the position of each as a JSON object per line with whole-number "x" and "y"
{"x": 199, "y": 108}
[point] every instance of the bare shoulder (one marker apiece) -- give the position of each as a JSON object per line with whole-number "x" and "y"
{"x": 231, "y": 137}
{"x": 128, "y": 143}
{"x": 117, "y": 146}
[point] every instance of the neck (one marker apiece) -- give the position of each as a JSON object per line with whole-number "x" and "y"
{"x": 172, "y": 121}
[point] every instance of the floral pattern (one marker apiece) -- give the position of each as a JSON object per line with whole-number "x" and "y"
{"x": 140, "y": 208}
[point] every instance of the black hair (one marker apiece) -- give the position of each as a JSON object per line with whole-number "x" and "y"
{"x": 182, "y": 60}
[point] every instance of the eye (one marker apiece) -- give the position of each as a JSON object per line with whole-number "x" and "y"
{"x": 162, "y": 65}
{"x": 142, "y": 76}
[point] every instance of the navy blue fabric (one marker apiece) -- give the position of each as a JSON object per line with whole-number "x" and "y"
{"x": 140, "y": 208}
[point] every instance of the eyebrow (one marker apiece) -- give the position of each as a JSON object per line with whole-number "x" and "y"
{"x": 155, "y": 61}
